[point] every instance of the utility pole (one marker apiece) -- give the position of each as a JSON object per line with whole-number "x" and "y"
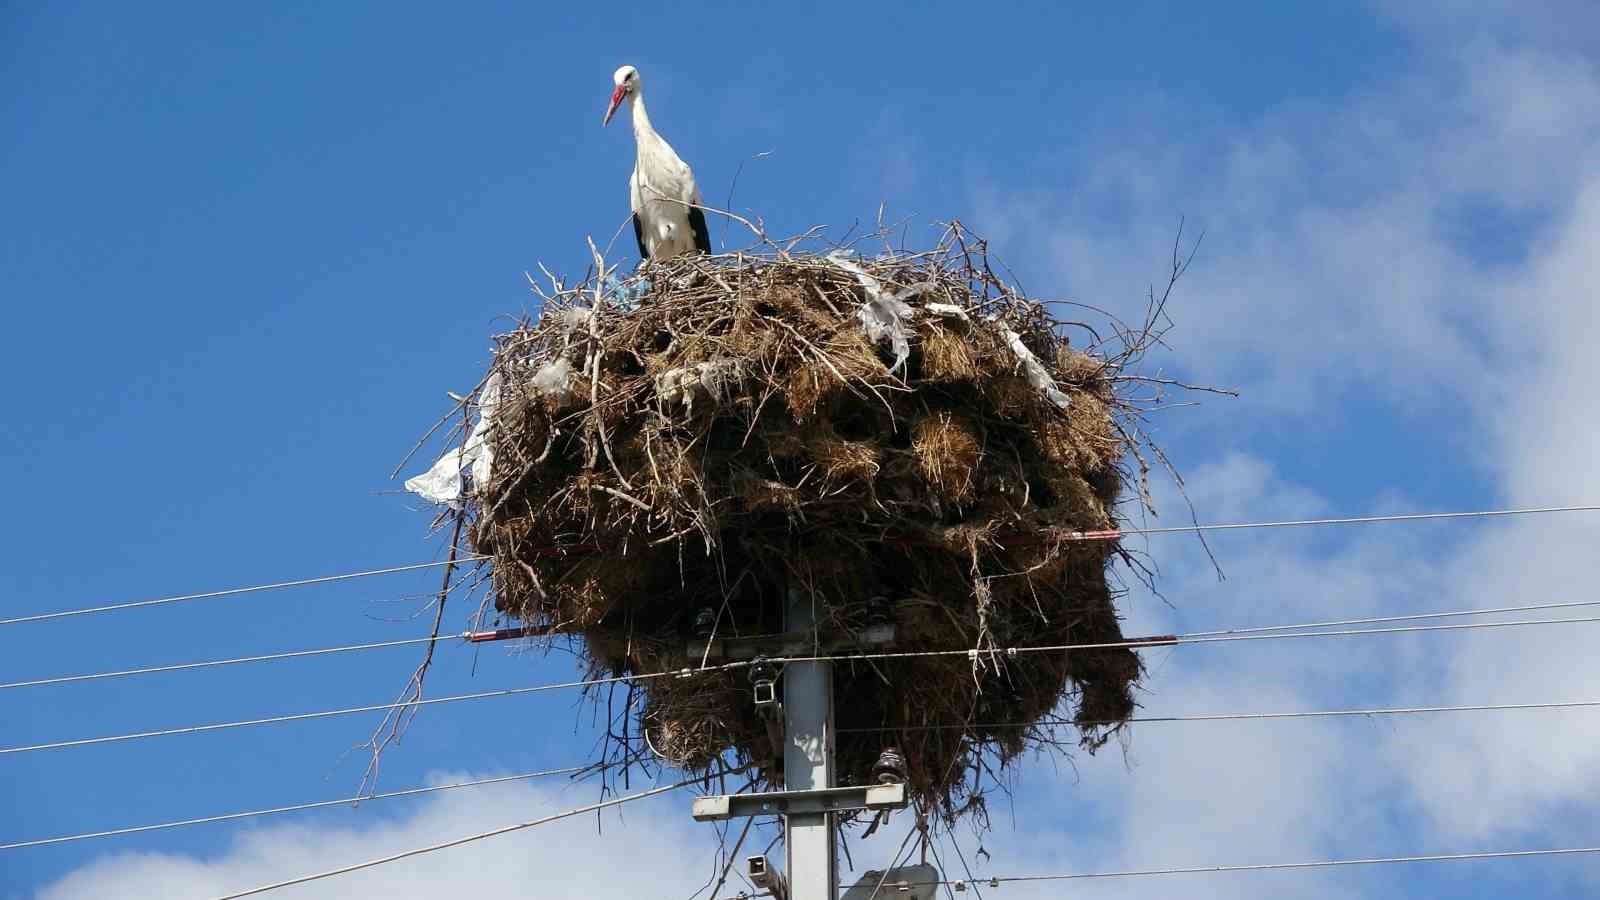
{"x": 809, "y": 801}
{"x": 808, "y": 761}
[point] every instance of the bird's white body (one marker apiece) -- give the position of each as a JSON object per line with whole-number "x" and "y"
{"x": 667, "y": 217}
{"x": 660, "y": 191}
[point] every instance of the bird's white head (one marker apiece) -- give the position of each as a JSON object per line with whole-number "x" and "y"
{"x": 626, "y": 80}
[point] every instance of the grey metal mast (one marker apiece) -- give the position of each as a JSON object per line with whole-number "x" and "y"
{"x": 809, "y": 801}
{"x": 808, "y": 761}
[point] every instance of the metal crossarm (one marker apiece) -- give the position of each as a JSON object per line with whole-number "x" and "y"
{"x": 824, "y": 800}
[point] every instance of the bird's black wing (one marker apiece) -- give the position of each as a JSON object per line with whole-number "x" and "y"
{"x": 638, "y": 235}
{"x": 697, "y": 224}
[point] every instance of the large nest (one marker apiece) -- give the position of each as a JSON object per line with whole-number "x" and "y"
{"x": 903, "y": 427}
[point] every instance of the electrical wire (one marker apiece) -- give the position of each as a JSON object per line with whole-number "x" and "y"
{"x": 1408, "y": 617}
{"x": 1157, "y": 641}
{"x": 1354, "y": 520}
{"x": 1199, "y": 637}
{"x": 238, "y": 660}
{"x": 998, "y": 880}
{"x": 352, "y": 710}
{"x": 232, "y": 592}
{"x": 991, "y": 881}
{"x": 228, "y": 817}
{"x": 470, "y": 636}
{"x": 1173, "y": 640}
{"x": 1111, "y": 534}
{"x": 1233, "y": 717}
{"x": 456, "y": 842}
{"x": 525, "y": 632}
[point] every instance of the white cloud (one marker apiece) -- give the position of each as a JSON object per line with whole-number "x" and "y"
{"x": 534, "y": 862}
{"x": 1565, "y": 25}
{"x": 1519, "y": 771}
{"x": 1428, "y": 248}
{"x": 1331, "y": 249}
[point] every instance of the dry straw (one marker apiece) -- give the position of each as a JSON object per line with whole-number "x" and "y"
{"x": 905, "y": 426}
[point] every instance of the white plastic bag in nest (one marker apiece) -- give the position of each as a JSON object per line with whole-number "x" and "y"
{"x": 948, "y": 311}
{"x": 573, "y": 318}
{"x": 1035, "y": 370}
{"x": 554, "y": 380}
{"x": 884, "y": 315}
{"x": 676, "y": 386}
{"x": 444, "y": 482}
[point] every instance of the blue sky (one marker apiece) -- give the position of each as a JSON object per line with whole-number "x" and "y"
{"x": 248, "y": 250}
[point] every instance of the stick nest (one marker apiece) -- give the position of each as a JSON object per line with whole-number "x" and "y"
{"x": 737, "y": 434}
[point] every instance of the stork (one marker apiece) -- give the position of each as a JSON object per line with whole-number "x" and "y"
{"x": 667, "y": 218}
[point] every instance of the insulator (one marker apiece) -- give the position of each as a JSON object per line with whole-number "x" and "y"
{"x": 762, "y": 670}
{"x": 890, "y": 767}
{"x": 880, "y": 610}
{"x": 705, "y": 623}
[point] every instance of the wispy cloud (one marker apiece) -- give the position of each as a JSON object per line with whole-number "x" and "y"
{"x": 1426, "y": 250}
{"x": 535, "y": 862}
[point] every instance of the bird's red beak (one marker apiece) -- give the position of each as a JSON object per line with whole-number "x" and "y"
{"x": 616, "y": 101}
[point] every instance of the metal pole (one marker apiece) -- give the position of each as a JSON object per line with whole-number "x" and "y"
{"x": 808, "y": 762}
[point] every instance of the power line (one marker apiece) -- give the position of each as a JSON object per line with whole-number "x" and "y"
{"x": 471, "y": 636}
{"x": 1232, "y": 717}
{"x": 228, "y": 817}
{"x": 993, "y": 880}
{"x": 1110, "y": 534}
{"x": 238, "y": 660}
{"x": 1173, "y": 640}
{"x": 1409, "y": 617}
{"x": 1263, "y": 867}
{"x": 1113, "y": 533}
{"x": 456, "y": 842}
{"x": 231, "y": 592}
{"x": 352, "y": 710}
{"x": 500, "y": 634}
{"x": 1157, "y": 641}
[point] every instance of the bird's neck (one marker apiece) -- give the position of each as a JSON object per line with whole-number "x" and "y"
{"x": 641, "y": 118}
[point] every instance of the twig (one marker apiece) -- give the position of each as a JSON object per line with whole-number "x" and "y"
{"x": 733, "y": 856}
{"x": 621, "y": 496}
{"x": 731, "y": 186}
{"x": 395, "y": 721}
{"x": 595, "y": 356}
{"x": 1175, "y": 383}
{"x": 758, "y": 231}
{"x": 436, "y": 426}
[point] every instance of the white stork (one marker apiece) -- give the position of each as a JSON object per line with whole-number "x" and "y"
{"x": 667, "y": 218}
